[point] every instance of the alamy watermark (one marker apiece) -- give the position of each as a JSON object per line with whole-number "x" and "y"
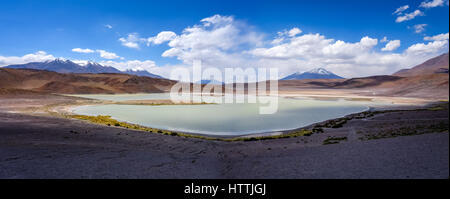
{"x": 237, "y": 85}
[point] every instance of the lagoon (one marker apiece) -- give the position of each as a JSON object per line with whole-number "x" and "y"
{"x": 221, "y": 119}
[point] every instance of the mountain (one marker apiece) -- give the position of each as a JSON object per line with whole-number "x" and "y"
{"x": 142, "y": 73}
{"x": 318, "y": 73}
{"x": 44, "y": 81}
{"x": 67, "y": 66}
{"x": 428, "y": 80}
{"x": 205, "y": 81}
{"x": 57, "y": 65}
{"x": 92, "y": 67}
{"x": 435, "y": 65}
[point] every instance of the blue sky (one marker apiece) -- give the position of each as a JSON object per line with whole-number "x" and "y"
{"x": 56, "y": 27}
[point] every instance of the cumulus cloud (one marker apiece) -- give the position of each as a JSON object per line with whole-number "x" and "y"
{"x": 107, "y": 55}
{"x": 80, "y": 50}
{"x": 131, "y": 41}
{"x": 39, "y": 56}
{"x": 283, "y": 35}
{"x": 311, "y": 45}
{"x": 432, "y": 3}
{"x": 147, "y": 65}
{"x": 216, "y": 41}
{"x": 162, "y": 37}
{"x": 102, "y": 53}
{"x": 108, "y": 26}
{"x": 293, "y": 32}
{"x": 419, "y": 28}
{"x": 392, "y": 45}
{"x": 223, "y": 41}
{"x": 428, "y": 48}
{"x": 217, "y": 20}
{"x": 439, "y": 37}
{"x": 400, "y": 10}
{"x": 409, "y": 16}
{"x": 348, "y": 59}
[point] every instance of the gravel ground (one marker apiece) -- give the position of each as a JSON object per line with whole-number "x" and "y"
{"x": 48, "y": 147}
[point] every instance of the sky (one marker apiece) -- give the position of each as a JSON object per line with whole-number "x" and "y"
{"x": 351, "y": 38}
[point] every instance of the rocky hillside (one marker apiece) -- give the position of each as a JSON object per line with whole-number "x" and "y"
{"x": 52, "y": 82}
{"x": 437, "y": 65}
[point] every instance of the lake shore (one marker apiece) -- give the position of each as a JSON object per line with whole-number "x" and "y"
{"x": 64, "y": 105}
{"x": 402, "y": 144}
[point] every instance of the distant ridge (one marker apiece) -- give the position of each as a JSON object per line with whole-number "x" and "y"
{"x": 206, "y": 81}
{"x": 67, "y": 66}
{"x": 142, "y": 73}
{"x": 318, "y": 73}
{"x": 435, "y": 65}
{"x": 44, "y": 81}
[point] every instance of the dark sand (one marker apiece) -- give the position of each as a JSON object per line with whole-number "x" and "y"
{"x": 50, "y": 147}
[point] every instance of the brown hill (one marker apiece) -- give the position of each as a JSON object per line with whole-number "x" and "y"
{"x": 52, "y": 82}
{"x": 424, "y": 86}
{"x": 433, "y": 66}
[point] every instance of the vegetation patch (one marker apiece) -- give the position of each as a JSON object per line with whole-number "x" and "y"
{"x": 334, "y": 140}
{"x": 108, "y": 121}
{"x": 339, "y": 122}
{"x": 441, "y": 127}
{"x": 336, "y": 123}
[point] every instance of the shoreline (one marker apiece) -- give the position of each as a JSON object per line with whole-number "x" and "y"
{"x": 66, "y": 111}
{"x": 390, "y": 143}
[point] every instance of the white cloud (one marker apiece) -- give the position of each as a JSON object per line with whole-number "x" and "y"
{"x": 217, "y": 20}
{"x": 344, "y": 58}
{"x": 108, "y": 26}
{"x": 79, "y": 50}
{"x": 162, "y": 37}
{"x": 400, "y": 10}
{"x": 419, "y": 28}
{"x": 294, "y": 31}
{"x": 102, "y": 53}
{"x": 384, "y": 40}
{"x": 216, "y": 41}
{"x": 39, "y": 56}
{"x": 392, "y": 45}
{"x": 409, "y": 16}
{"x": 107, "y": 55}
{"x": 432, "y": 3}
{"x": 222, "y": 41}
{"x": 147, "y": 65}
{"x": 131, "y": 41}
{"x": 430, "y": 47}
{"x": 311, "y": 45}
{"x": 439, "y": 37}
{"x": 285, "y": 34}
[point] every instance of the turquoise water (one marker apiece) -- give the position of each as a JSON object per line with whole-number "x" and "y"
{"x": 221, "y": 119}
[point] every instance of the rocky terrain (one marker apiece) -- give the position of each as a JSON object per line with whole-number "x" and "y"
{"x": 53, "y": 82}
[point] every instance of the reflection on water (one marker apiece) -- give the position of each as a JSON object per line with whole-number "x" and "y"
{"x": 221, "y": 119}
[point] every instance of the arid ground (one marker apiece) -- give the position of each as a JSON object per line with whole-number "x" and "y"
{"x": 385, "y": 144}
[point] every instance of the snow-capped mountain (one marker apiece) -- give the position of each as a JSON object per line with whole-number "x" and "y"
{"x": 318, "y": 73}
{"x": 66, "y": 66}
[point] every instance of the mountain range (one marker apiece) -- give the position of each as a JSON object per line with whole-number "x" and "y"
{"x": 318, "y": 73}
{"x": 427, "y": 80}
{"x": 67, "y": 66}
{"x": 44, "y": 81}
